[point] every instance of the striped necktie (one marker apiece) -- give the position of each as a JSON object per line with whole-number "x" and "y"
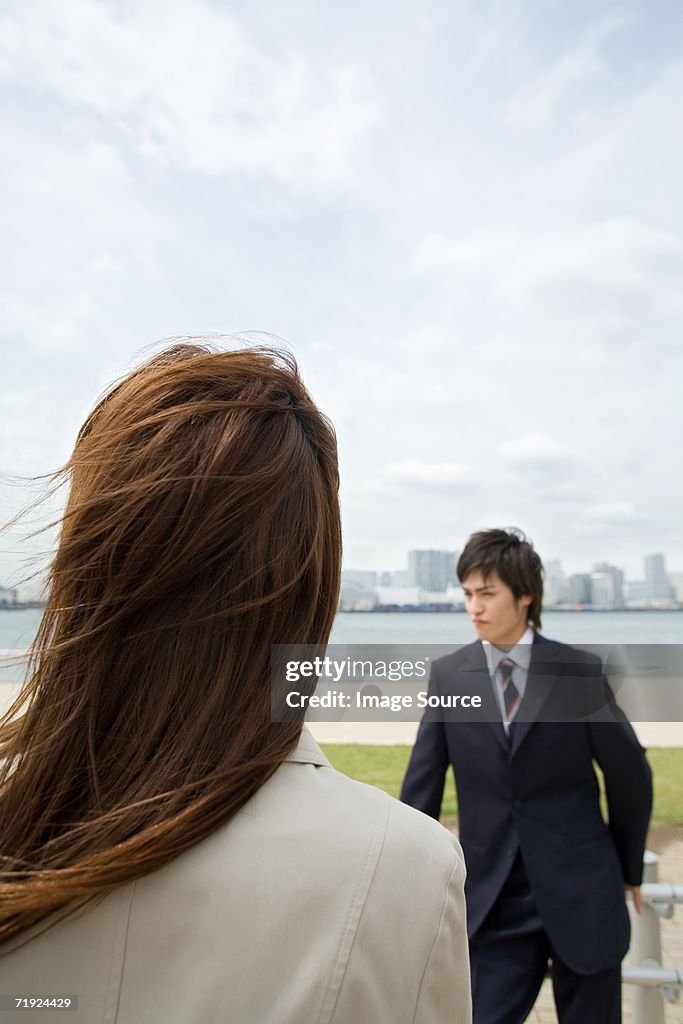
{"x": 510, "y": 691}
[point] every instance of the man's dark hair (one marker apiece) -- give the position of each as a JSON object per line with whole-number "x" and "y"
{"x": 511, "y": 555}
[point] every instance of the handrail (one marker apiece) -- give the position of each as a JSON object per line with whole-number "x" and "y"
{"x": 654, "y": 982}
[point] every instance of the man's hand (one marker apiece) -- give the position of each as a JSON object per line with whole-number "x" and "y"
{"x": 636, "y": 897}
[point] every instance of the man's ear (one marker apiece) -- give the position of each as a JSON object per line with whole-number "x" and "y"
{"x": 526, "y": 600}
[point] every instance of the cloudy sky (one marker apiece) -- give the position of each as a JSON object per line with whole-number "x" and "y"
{"x": 464, "y": 218}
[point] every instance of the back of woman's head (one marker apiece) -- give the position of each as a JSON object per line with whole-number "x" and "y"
{"x": 202, "y": 527}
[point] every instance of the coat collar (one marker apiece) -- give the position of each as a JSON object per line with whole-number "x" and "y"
{"x": 307, "y": 751}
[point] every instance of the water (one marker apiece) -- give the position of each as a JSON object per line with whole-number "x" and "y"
{"x": 456, "y": 628}
{"x": 18, "y": 628}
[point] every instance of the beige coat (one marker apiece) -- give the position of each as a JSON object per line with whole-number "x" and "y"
{"x": 323, "y": 901}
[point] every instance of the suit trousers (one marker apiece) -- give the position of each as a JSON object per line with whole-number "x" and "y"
{"x": 509, "y": 958}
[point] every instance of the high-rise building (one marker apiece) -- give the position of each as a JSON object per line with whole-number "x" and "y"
{"x": 555, "y": 588}
{"x": 635, "y": 594}
{"x": 677, "y": 586}
{"x": 358, "y": 590}
{"x": 393, "y": 578}
{"x": 8, "y": 597}
{"x": 431, "y": 570}
{"x": 362, "y": 577}
{"x": 607, "y": 586}
{"x": 579, "y": 587}
{"x": 658, "y": 583}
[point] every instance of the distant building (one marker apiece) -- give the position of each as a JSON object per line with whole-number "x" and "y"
{"x": 8, "y": 598}
{"x": 357, "y": 593}
{"x": 354, "y": 597}
{"x": 398, "y": 597}
{"x": 416, "y": 599}
{"x": 676, "y": 579}
{"x": 442, "y": 600}
{"x": 603, "y": 594}
{"x": 430, "y": 584}
{"x": 363, "y": 577}
{"x": 393, "y": 578}
{"x": 555, "y": 586}
{"x": 607, "y": 586}
{"x": 636, "y": 594}
{"x": 579, "y": 588}
{"x": 456, "y": 595}
{"x": 658, "y": 584}
{"x": 432, "y": 570}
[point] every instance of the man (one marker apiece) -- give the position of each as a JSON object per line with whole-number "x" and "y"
{"x": 546, "y": 874}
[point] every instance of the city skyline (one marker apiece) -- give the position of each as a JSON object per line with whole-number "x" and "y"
{"x": 33, "y": 591}
{"x": 576, "y": 568}
{"x": 430, "y": 582}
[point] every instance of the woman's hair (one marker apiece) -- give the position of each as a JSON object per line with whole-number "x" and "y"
{"x": 202, "y": 526}
{"x": 511, "y": 555}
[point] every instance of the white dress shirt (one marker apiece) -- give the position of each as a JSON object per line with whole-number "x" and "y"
{"x": 520, "y": 654}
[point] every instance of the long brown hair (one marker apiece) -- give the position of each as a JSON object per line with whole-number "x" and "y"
{"x": 201, "y": 527}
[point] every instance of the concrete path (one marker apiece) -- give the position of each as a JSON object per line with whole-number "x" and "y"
{"x": 650, "y": 734}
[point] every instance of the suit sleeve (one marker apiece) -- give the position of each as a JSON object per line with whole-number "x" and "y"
{"x": 424, "y": 780}
{"x": 628, "y": 779}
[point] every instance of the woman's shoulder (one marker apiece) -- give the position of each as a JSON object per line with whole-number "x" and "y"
{"x": 267, "y": 911}
{"x": 308, "y": 785}
{"x": 314, "y": 820}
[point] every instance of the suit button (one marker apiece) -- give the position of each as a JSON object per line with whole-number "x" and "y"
{"x": 517, "y": 803}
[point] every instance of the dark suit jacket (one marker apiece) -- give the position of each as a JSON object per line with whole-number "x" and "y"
{"x": 539, "y": 794}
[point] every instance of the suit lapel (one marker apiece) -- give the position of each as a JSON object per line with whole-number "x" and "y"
{"x": 543, "y": 676}
{"x": 476, "y": 678}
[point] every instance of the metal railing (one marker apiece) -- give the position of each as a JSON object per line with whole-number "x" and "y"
{"x": 654, "y": 983}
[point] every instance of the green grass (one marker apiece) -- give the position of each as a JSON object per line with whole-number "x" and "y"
{"x": 667, "y": 769}
{"x": 384, "y": 766}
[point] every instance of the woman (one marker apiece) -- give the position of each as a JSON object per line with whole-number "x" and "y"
{"x": 169, "y": 853}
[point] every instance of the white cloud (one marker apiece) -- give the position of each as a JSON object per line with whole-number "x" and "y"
{"x": 613, "y": 257}
{"x": 451, "y": 477}
{"x": 451, "y": 282}
{"x": 88, "y": 231}
{"x": 533, "y": 107}
{"x": 535, "y": 452}
{"x": 611, "y": 260}
{"x": 536, "y": 102}
{"x": 614, "y": 512}
{"x": 436, "y": 252}
{"x": 188, "y": 84}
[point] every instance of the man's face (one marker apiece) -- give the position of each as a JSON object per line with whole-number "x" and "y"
{"x": 498, "y": 616}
